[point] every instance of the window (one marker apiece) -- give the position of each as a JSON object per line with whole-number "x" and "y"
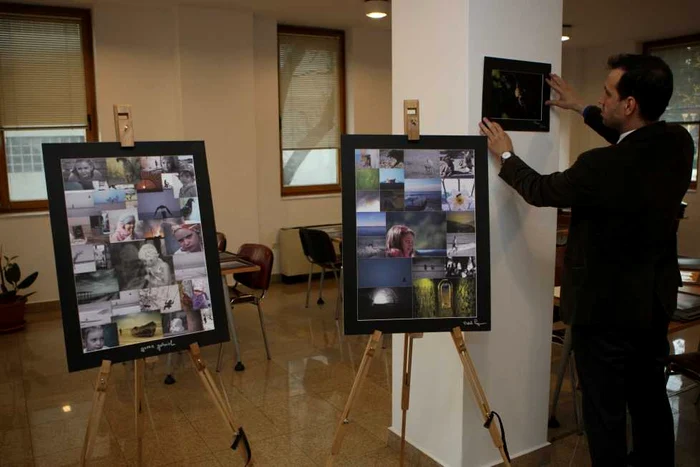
{"x": 46, "y": 94}
{"x": 683, "y": 56}
{"x": 312, "y": 109}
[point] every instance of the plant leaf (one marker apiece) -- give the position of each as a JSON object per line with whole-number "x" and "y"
{"x": 13, "y": 273}
{"x": 29, "y": 280}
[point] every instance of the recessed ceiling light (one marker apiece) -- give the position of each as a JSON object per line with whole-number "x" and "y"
{"x": 377, "y": 9}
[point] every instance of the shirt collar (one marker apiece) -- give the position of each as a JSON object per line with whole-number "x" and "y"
{"x": 624, "y": 135}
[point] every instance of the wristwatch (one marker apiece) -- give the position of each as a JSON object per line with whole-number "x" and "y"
{"x": 505, "y": 156}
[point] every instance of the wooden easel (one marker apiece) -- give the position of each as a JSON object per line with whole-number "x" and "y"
{"x": 412, "y": 131}
{"x": 98, "y": 400}
{"x": 469, "y": 374}
{"x": 125, "y": 132}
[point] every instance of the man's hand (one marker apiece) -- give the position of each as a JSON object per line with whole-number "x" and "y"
{"x": 498, "y": 140}
{"x": 568, "y": 99}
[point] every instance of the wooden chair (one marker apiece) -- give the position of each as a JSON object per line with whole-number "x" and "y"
{"x": 256, "y": 283}
{"x": 221, "y": 241}
{"x": 170, "y": 379}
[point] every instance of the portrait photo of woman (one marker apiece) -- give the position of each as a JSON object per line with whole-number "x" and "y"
{"x": 125, "y": 229}
{"x": 400, "y": 241}
{"x": 81, "y": 174}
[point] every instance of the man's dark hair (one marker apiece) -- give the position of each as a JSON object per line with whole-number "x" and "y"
{"x": 648, "y": 79}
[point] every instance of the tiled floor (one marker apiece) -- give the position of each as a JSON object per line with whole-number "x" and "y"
{"x": 288, "y": 406}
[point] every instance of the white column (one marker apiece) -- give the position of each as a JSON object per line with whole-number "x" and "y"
{"x": 438, "y": 50}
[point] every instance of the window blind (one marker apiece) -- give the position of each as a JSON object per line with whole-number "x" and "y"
{"x": 309, "y": 91}
{"x": 42, "y": 80}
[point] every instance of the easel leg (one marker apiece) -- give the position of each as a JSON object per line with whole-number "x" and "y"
{"x": 563, "y": 363}
{"x": 221, "y": 404}
{"x": 169, "y": 378}
{"x": 232, "y": 329}
{"x": 98, "y": 401}
{"x": 138, "y": 408}
{"x": 479, "y": 395}
{"x": 356, "y": 387}
{"x": 406, "y": 387}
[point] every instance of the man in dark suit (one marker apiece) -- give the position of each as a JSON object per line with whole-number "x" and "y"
{"x": 620, "y": 275}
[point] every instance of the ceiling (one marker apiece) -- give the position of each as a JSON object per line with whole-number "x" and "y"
{"x": 599, "y": 22}
{"x": 594, "y": 22}
{"x": 337, "y": 14}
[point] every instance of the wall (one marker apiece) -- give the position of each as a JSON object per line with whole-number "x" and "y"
{"x": 216, "y": 63}
{"x": 586, "y": 69}
{"x": 442, "y": 66}
{"x": 29, "y": 237}
{"x": 369, "y": 81}
{"x": 276, "y": 212}
{"x": 431, "y": 67}
{"x": 194, "y": 73}
{"x": 368, "y": 110}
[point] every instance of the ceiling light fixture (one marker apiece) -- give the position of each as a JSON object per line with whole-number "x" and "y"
{"x": 566, "y": 33}
{"x": 377, "y": 9}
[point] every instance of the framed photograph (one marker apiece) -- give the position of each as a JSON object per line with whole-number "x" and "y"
{"x": 515, "y": 93}
{"x": 415, "y": 234}
{"x": 135, "y": 249}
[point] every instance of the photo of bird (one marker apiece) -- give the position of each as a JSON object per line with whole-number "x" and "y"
{"x": 162, "y": 211}
{"x": 186, "y": 209}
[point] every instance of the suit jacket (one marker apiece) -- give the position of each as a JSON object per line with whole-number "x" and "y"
{"x": 621, "y": 253}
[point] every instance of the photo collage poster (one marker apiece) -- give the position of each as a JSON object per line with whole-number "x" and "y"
{"x": 137, "y": 249}
{"x": 416, "y": 234}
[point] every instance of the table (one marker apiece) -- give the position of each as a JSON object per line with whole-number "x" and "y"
{"x": 673, "y": 327}
{"x": 226, "y": 270}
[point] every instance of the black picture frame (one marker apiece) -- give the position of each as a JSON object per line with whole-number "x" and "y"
{"x": 350, "y": 145}
{"x": 528, "y": 111}
{"x": 77, "y": 357}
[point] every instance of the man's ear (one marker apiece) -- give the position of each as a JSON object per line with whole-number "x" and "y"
{"x": 631, "y": 105}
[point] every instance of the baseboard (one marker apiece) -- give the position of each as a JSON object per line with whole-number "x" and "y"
{"x": 299, "y": 278}
{"x": 413, "y": 455}
{"x": 50, "y": 305}
{"x": 537, "y": 457}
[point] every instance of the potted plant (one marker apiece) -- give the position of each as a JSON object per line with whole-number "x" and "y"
{"x": 12, "y": 303}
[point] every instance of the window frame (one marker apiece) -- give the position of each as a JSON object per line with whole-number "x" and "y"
{"x": 84, "y": 18}
{"x": 303, "y": 190}
{"x": 648, "y": 49}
